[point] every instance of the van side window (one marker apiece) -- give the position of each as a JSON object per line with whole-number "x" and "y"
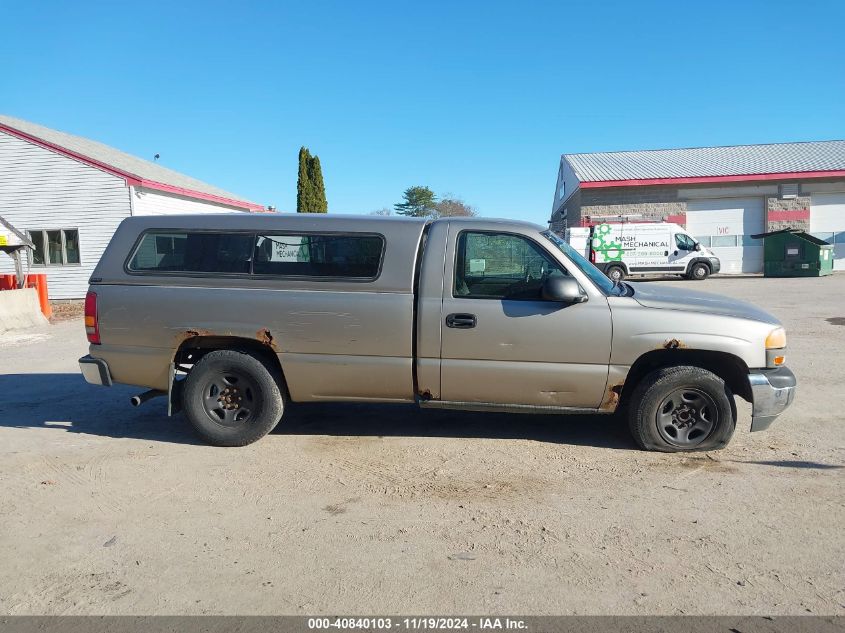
{"x": 309, "y": 255}
{"x": 193, "y": 253}
{"x": 684, "y": 242}
{"x": 501, "y": 266}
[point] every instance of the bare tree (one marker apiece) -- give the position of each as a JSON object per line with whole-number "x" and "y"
{"x": 451, "y": 206}
{"x": 382, "y": 211}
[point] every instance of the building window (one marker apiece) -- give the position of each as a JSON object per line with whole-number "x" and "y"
{"x": 561, "y": 187}
{"x": 722, "y": 240}
{"x": 55, "y": 247}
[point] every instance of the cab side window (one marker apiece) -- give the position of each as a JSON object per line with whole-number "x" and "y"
{"x": 492, "y": 265}
{"x": 684, "y": 242}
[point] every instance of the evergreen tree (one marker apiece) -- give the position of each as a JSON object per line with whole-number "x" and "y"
{"x": 419, "y": 202}
{"x": 320, "y": 204}
{"x": 303, "y": 183}
{"x": 310, "y": 190}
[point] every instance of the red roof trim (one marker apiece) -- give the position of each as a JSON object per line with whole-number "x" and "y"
{"x": 834, "y": 173}
{"x": 131, "y": 179}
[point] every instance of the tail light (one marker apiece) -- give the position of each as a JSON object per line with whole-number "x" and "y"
{"x": 92, "y": 325}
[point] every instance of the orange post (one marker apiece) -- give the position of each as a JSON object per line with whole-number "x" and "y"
{"x": 39, "y": 282}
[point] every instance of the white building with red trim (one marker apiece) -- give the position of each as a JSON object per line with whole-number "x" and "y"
{"x": 69, "y": 194}
{"x": 721, "y": 195}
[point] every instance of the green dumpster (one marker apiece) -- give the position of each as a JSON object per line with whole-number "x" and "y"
{"x": 794, "y": 253}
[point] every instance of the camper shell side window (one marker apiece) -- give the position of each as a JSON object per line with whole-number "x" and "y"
{"x": 347, "y": 256}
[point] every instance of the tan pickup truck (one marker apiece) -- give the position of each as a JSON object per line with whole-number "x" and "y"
{"x": 231, "y": 317}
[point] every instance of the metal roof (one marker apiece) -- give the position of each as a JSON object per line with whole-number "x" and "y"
{"x": 709, "y": 162}
{"x": 101, "y": 155}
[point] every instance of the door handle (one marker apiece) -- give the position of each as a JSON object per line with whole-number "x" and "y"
{"x": 461, "y": 321}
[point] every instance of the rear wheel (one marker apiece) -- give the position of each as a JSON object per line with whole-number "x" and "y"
{"x": 232, "y": 398}
{"x": 699, "y": 271}
{"x": 682, "y": 409}
{"x": 615, "y": 273}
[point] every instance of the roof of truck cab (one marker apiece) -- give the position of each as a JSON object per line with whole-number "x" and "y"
{"x": 495, "y": 221}
{"x": 302, "y": 221}
{"x": 305, "y": 221}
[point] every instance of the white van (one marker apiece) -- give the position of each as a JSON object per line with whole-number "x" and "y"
{"x": 641, "y": 248}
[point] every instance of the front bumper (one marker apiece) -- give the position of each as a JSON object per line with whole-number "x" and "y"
{"x": 772, "y": 391}
{"x": 715, "y": 265}
{"x": 95, "y": 371}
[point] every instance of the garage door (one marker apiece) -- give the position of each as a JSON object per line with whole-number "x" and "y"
{"x": 827, "y": 221}
{"x": 725, "y": 226}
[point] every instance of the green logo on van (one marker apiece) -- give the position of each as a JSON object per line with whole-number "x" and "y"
{"x": 611, "y": 251}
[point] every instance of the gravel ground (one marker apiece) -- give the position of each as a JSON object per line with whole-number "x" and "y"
{"x": 65, "y": 310}
{"x": 386, "y": 509}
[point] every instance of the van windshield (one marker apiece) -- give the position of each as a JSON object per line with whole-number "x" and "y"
{"x": 595, "y": 275}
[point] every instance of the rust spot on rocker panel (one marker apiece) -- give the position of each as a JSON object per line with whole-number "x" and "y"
{"x": 265, "y": 337}
{"x": 673, "y": 343}
{"x": 611, "y": 399}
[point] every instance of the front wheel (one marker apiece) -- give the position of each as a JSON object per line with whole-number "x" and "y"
{"x": 615, "y": 273}
{"x": 682, "y": 409}
{"x": 232, "y": 398}
{"x": 699, "y": 272}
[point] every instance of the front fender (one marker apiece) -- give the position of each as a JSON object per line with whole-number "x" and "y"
{"x": 638, "y": 330}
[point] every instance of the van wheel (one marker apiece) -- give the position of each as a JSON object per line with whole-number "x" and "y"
{"x": 615, "y": 273}
{"x": 682, "y": 409}
{"x": 232, "y": 398}
{"x": 699, "y": 271}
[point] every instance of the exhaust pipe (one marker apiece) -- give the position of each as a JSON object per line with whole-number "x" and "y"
{"x": 141, "y": 398}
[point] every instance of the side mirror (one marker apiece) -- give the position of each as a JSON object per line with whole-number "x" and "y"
{"x": 562, "y": 290}
{"x": 697, "y": 246}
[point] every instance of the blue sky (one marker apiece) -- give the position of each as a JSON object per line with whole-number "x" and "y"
{"x": 474, "y": 98}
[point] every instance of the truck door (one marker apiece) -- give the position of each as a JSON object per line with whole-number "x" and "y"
{"x": 501, "y": 343}
{"x": 683, "y": 249}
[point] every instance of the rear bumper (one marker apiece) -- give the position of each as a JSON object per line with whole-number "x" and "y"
{"x": 95, "y": 371}
{"x": 773, "y": 391}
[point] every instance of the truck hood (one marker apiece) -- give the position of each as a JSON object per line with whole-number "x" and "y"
{"x": 654, "y": 295}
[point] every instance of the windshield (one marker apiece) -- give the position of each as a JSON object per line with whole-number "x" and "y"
{"x": 595, "y": 275}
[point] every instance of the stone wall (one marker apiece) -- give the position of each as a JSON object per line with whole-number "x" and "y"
{"x": 787, "y": 213}
{"x": 650, "y": 203}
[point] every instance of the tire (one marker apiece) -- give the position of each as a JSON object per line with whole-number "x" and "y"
{"x": 615, "y": 273}
{"x": 680, "y": 409}
{"x": 238, "y": 417}
{"x": 699, "y": 271}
